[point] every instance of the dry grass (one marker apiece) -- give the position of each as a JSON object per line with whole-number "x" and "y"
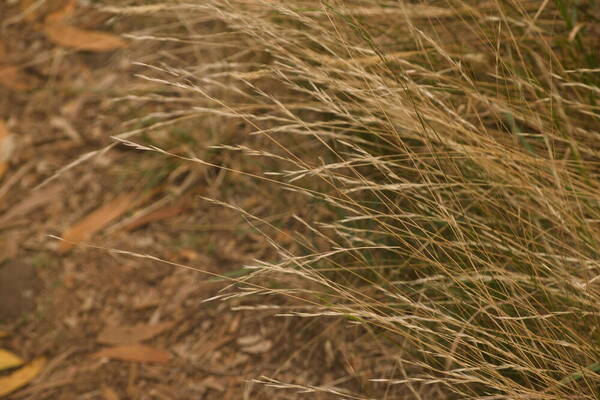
{"x": 454, "y": 146}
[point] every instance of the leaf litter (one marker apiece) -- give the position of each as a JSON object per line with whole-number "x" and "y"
{"x": 60, "y": 32}
{"x": 11, "y": 76}
{"x": 9, "y": 360}
{"x": 113, "y": 334}
{"x": 21, "y": 377}
{"x": 219, "y": 345}
{"x": 134, "y": 352}
{"x": 7, "y": 146}
{"x": 96, "y": 221}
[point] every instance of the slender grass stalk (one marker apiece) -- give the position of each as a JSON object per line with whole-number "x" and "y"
{"x": 453, "y": 149}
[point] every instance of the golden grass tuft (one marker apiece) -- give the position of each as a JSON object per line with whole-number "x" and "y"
{"x": 455, "y": 147}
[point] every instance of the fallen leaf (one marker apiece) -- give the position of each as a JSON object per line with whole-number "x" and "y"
{"x": 109, "y": 394}
{"x": 254, "y": 344}
{"x": 21, "y": 377}
{"x": 132, "y": 334}
{"x": 63, "y": 34}
{"x": 134, "y": 352}
{"x": 4, "y": 334}
{"x": 248, "y": 340}
{"x": 95, "y": 221}
{"x": 9, "y": 360}
{"x": 35, "y": 10}
{"x": 13, "y": 78}
{"x": 80, "y": 39}
{"x": 212, "y": 383}
{"x": 238, "y": 359}
{"x": 165, "y": 212}
{"x": 66, "y": 9}
{"x": 189, "y": 254}
{"x": 260, "y": 347}
{"x": 7, "y": 146}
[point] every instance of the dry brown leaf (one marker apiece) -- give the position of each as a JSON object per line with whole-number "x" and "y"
{"x": 135, "y": 352}
{"x": 80, "y": 39}
{"x": 21, "y": 377}
{"x": 189, "y": 254}
{"x": 249, "y": 340}
{"x": 35, "y": 10}
{"x": 7, "y": 146}
{"x": 3, "y": 334}
{"x": 109, "y": 394}
{"x": 132, "y": 334}
{"x": 254, "y": 344}
{"x": 65, "y": 9}
{"x": 63, "y": 34}
{"x": 9, "y": 360}
{"x": 234, "y": 361}
{"x": 260, "y": 347}
{"x": 213, "y": 383}
{"x": 13, "y": 78}
{"x": 4, "y": 139}
{"x": 95, "y": 221}
{"x": 165, "y": 212}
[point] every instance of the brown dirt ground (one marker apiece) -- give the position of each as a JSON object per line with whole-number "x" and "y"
{"x": 56, "y": 304}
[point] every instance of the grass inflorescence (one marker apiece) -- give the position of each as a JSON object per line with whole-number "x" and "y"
{"x": 453, "y": 146}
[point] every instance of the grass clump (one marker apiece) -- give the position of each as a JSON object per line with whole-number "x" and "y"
{"x": 454, "y": 147}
